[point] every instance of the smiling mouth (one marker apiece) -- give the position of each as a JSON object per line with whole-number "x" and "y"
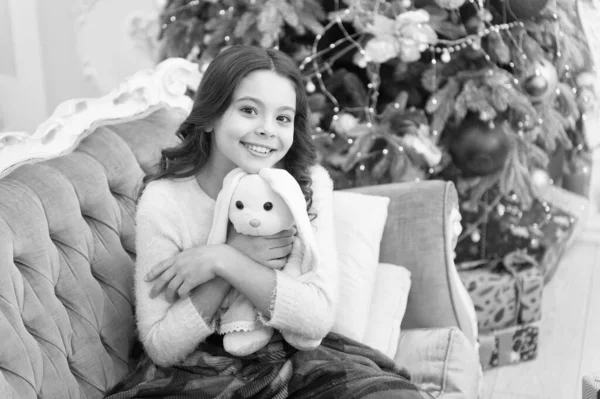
{"x": 258, "y": 149}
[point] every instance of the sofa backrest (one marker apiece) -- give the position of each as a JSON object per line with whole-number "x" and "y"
{"x": 67, "y": 244}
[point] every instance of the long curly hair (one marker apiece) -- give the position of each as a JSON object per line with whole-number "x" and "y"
{"x": 213, "y": 97}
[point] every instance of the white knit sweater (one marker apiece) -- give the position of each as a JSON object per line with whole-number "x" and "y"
{"x": 174, "y": 215}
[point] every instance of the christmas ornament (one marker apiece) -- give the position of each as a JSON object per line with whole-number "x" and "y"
{"x": 543, "y": 83}
{"x": 585, "y": 99}
{"x": 450, "y": 4}
{"x": 479, "y": 148}
{"x": 512, "y": 10}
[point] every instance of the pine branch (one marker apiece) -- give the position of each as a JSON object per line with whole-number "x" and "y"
{"x": 515, "y": 178}
{"x": 444, "y": 107}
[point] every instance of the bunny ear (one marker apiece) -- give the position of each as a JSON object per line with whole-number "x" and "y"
{"x": 218, "y": 232}
{"x": 288, "y": 188}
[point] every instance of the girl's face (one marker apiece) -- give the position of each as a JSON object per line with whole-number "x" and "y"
{"x": 257, "y": 129}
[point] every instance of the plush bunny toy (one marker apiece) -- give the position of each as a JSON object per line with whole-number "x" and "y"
{"x": 259, "y": 205}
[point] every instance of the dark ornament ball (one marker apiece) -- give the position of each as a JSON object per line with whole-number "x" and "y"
{"x": 536, "y": 86}
{"x": 543, "y": 83}
{"x": 480, "y": 148}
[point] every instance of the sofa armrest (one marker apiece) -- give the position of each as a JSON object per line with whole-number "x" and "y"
{"x": 419, "y": 236}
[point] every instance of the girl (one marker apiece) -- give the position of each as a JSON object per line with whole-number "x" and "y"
{"x": 250, "y": 111}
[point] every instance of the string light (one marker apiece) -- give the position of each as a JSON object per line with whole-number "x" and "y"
{"x": 321, "y": 61}
{"x": 193, "y": 3}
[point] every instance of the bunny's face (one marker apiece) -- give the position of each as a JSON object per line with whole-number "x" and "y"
{"x": 255, "y": 209}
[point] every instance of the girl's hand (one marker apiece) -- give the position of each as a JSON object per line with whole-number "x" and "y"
{"x": 269, "y": 251}
{"x": 185, "y": 271}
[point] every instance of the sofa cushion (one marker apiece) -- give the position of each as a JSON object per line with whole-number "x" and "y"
{"x": 66, "y": 265}
{"x": 359, "y": 220}
{"x": 442, "y": 361}
{"x": 388, "y": 304}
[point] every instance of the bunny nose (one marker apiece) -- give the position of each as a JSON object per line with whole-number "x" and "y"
{"x": 255, "y": 223}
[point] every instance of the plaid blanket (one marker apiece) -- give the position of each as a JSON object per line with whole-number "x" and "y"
{"x": 339, "y": 368}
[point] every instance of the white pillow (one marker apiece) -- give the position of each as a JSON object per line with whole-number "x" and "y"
{"x": 388, "y": 305}
{"x": 359, "y": 220}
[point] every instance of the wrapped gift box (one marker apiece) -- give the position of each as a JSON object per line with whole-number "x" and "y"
{"x": 499, "y": 225}
{"x": 507, "y": 346}
{"x": 505, "y": 293}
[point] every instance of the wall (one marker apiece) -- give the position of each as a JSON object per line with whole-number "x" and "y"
{"x": 56, "y": 50}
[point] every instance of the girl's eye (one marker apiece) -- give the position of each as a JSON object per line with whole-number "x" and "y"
{"x": 268, "y": 206}
{"x": 285, "y": 118}
{"x": 248, "y": 110}
{"x": 239, "y": 205}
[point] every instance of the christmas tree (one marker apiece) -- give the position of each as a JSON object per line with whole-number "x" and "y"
{"x": 489, "y": 94}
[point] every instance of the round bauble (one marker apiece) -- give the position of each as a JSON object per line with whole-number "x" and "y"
{"x": 517, "y": 10}
{"x": 543, "y": 83}
{"x": 480, "y": 148}
{"x": 450, "y": 4}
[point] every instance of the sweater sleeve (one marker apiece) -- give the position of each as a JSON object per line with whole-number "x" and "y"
{"x": 306, "y": 306}
{"x": 169, "y": 332}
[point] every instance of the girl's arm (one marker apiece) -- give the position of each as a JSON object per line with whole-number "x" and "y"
{"x": 305, "y": 305}
{"x": 168, "y": 331}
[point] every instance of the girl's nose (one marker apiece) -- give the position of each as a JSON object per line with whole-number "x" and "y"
{"x": 263, "y": 132}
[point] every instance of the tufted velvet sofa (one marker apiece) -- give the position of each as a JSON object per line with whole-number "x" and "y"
{"x": 67, "y": 205}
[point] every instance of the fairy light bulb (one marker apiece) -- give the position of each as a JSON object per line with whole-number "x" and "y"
{"x": 445, "y": 56}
